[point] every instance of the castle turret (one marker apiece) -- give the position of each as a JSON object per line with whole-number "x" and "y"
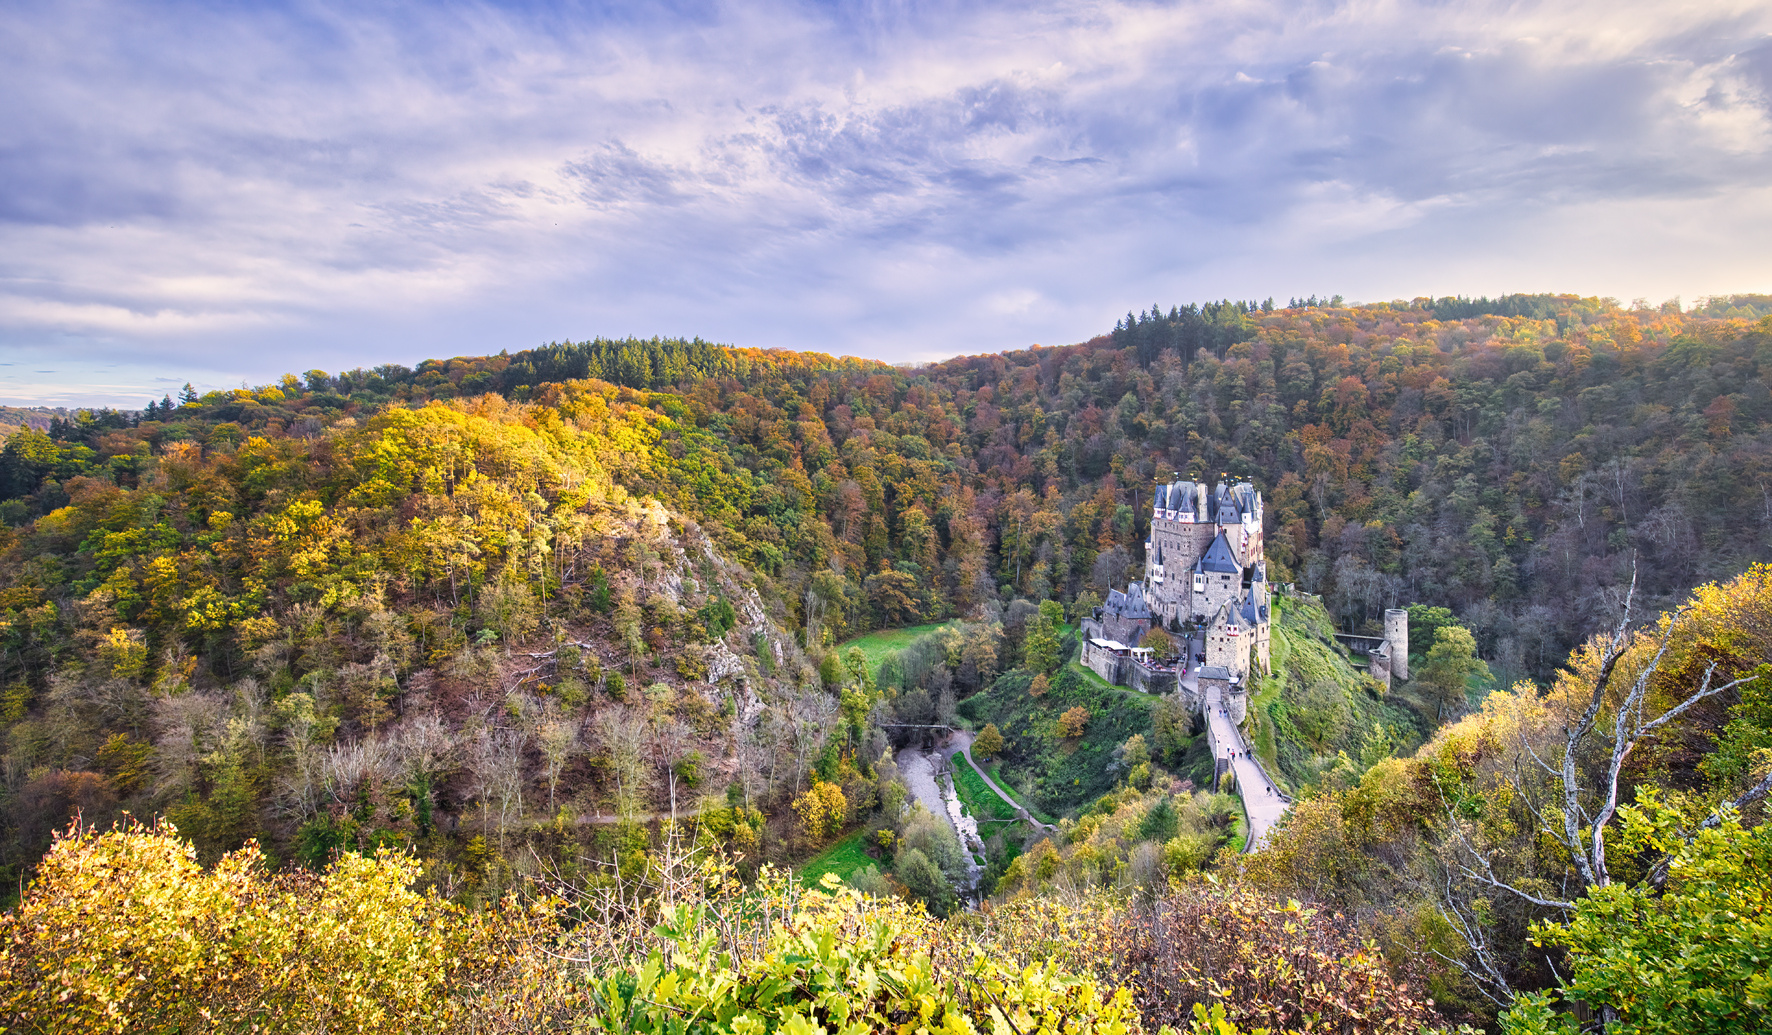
{"x": 1236, "y": 702}
{"x": 1396, "y": 632}
{"x": 1378, "y": 665}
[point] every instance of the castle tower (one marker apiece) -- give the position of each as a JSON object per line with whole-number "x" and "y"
{"x": 1396, "y": 631}
{"x": 1236, "y": 702}
{"x": 1379, "y": 666}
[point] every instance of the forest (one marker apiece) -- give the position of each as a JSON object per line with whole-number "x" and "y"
{"x": 552, "y": 660}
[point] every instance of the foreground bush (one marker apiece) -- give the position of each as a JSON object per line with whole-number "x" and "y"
{"x": 1690, "y": 957}
{"x": 848, "y": 964}
{"x": 1255, "y": 962}
{"x": 124, "y": 931}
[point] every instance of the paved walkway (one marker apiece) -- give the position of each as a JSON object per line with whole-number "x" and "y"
{"x": 1262, "y": 801}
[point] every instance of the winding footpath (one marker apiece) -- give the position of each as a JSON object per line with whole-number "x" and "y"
{"x": 963, "y": 740}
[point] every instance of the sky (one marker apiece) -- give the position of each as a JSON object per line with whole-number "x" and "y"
{"x": 222, "y": 192}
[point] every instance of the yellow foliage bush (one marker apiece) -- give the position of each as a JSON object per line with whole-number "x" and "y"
{"x": 822, "y": 810}
{"x": 124, "y": 931}
{"x": 848, "y": 964}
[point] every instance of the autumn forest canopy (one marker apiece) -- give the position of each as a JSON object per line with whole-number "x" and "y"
{"x": 549, "y": 662}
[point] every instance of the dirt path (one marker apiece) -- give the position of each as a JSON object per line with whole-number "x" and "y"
{"x": 963, "y": 739}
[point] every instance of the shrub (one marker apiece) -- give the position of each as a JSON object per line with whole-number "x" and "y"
{"x": 1272, "y": 964}
{"x": 989, "y": 742}
{"x": 124, "y": 931}
{"x": 852, "y": 964}
{"x": 822, "y": 810}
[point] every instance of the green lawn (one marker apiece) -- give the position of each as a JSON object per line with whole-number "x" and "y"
{"x": 842, "y": 858}
{"x": 976, "y": 795}
{"x": 1267, "y": 691}
{"x": 876, "y": 645}
{"x": 995, "y": 769}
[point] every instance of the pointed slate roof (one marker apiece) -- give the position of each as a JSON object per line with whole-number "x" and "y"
{"x": 1219, "y": 558}
{"x": 1174, "y": 496}
{"x": 1129, "y": 604}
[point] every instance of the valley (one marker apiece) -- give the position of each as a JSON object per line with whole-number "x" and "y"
{"x": 1240, "y": 621}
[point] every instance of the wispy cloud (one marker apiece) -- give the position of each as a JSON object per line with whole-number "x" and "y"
{"x": 239, "y": 191}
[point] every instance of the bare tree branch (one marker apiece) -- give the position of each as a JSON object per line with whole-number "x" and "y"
{"x": 1573, "y": 812}
{"x": 1488, "y": 875}
{"x": 1623, "y": 740}
{"x": 1751, "y": 795}
{"x": 1489, "y": 976}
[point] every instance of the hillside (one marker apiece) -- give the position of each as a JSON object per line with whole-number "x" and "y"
{"x": 547, "y": 621}
{"x": 1503, "y": 458}
{"x": 1105, "y": 928}
{"x": 1459, "y": 850}
{"x": 1318, "y": 718}
{"x": 436, "y": 619}
{"x": 12, "y": 418}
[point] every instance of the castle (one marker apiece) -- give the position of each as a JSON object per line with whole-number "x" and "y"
{"x": 1205, "y": 573}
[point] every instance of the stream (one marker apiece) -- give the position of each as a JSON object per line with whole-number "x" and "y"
{"x": 918, "y": 768}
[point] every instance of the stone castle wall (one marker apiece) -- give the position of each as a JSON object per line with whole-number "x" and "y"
{"x": 1124, "y": 630}
{"x": 1104, "y": 663}
{"x": 1150, "y": 680}
{"x": 1378, "y": 665}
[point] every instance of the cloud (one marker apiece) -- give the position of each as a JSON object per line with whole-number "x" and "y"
{"x": 241, "y": 190}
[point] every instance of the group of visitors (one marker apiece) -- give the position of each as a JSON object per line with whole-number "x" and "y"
{"x": 1271, "y": 792}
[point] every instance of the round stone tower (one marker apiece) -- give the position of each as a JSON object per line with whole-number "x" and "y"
{"x": 1396, "y": 630}
{"x": 1236, "y": 701}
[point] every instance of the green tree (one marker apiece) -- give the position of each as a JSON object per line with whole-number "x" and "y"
{"x": 627, "y": 626}
{"x": 1450, "y": 665}
{"x": 893, "y": 595}
{"x": 855, "y": 660}
{"x": 1040, "y": 647}
{"x": 925, "y": 880}
{"x": 1170, "y": 726}
{"x": 1426, "y": 621}
{"x": 1686, "y": 959}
